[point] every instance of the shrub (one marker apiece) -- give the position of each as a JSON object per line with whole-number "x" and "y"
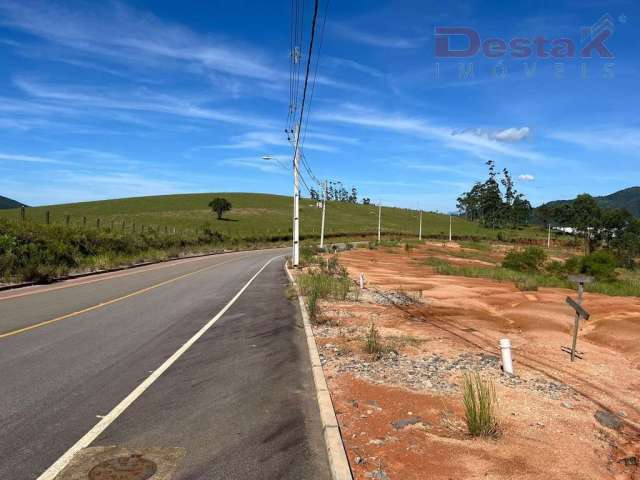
{"x": 527, "y": 284}
{"x": 601, "y": 265}
{"x": 308, "y": 255}
{"x": 573, "y": 265}
{"x": 479, "y": 399}
{"x": 531, "y": 259}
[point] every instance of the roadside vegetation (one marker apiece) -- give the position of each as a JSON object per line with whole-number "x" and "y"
{"x": 34, "y": 252}
{"x": 530, "y": 268}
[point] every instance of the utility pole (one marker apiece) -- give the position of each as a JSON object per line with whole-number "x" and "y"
{"x": 324, "y": 206}
{"x": 379, "y": 220}
{"x": 450, "y": 227}
{"x": 296, "y": 200}
{"x": 549, "y": 237}
{"x": 420, "y": 230}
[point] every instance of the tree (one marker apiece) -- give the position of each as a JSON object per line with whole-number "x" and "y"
{"x": 219, "y": 206}
{"x": 486, "y": 202}
{"x": 314, "y": 194}
{"x": 366, "y": 201}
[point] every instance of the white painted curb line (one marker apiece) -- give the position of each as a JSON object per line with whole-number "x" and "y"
{"x": 338, "y": 462}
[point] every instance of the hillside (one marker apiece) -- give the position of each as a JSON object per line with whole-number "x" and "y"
{"x": 252, "y": 214}
{"x": 6, "y": 203}
{"x": 628, "y": 198}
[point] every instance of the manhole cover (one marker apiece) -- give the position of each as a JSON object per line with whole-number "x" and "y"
{"x": 132, "y": 467}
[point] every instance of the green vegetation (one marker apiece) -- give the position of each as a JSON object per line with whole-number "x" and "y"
{"x": 479, "y": 399}
{"x": 324, "y": 285}
{"x": 259, "y": 215}
{"x": 530, "y": 259}
{"x": 219, "y": 206}
{"x": 8, "y": 203}
{"x": 554, "y": 274}
{"x": 601, "y": 265}
{"x": 482, "y": 246}
{"x": 487, "y": 203}
{"x": 373, "y": 344}
{"x": 613, "y": 229}
{"x": 627, "y": 199}
{"x": 500, "y": 274}
{"x": 42, "y": 252}
{"x": 312, "y": 305}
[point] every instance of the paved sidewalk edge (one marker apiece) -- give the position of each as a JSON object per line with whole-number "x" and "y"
{"x": 338, "y": 462}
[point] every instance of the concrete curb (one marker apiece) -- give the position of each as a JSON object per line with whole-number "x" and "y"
{"x": 338, "y": 462}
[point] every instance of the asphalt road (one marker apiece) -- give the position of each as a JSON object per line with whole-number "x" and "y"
{"x": 240, "y": 399}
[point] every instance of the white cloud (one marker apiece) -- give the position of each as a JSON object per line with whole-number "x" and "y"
{"x": 138, "y": 100}
{"x": 480, "y": 146}
{"x": 626, "y": 139}
{"x": 337, "y": 62}
{"x": 274, "y": 164}
{"x": 512, "y": 134}
{"x": 122, "y": 34}
{"x": 507, "y": 135}
{"x": 376, "y": 39}
{"x": 13, "y": 157}
{"x": 526, "y": 177}
{"x": 264, "y": 139}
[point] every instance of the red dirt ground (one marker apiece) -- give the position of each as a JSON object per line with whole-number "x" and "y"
{"x": 543, "y": 436}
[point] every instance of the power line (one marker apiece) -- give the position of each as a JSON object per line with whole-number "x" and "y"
{"x": 315, "y": 74}
{"x": 306, "y": 76}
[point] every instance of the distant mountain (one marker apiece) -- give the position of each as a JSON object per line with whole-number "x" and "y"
{"x": 9, "y": 203}
{"x": 629, "y": 199}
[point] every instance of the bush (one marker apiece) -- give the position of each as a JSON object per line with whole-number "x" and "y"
{"x": 479, "y": 399}
{"x": 531, "y": 259}
{"x": 527, "y": 284}
{"x": 601, "y": 265}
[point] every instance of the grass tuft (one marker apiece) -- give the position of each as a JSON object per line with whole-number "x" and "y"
{"x": 373, "y": 343}
{"x": 479, "y": 399}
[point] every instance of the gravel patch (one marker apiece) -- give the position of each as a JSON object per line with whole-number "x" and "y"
{"x": 431, "y": 373}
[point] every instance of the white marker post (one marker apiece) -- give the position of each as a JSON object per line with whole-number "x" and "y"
{"x": 505, "y": 350}
{"x": 450, "y": 227}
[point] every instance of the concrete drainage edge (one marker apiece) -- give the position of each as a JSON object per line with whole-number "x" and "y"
{"x": 338, "y": 462}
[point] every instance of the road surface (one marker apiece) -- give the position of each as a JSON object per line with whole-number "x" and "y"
{"x": 239, "y": 398}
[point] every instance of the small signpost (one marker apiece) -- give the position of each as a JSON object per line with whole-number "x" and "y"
{"x": 579, "y": 309}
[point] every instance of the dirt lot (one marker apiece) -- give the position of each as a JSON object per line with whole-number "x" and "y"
{"x": 401, "y": 416}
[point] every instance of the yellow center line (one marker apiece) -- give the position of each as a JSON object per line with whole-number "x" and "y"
{"x": 115, "y": 300}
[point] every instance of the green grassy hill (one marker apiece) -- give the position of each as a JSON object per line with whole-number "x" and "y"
{"x": 628, "y": 198}
{"x": 252, "y": 214}
{"x": 8, "y": 203}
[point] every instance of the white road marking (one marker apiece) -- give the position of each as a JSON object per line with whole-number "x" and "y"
{"x": 108, "y": 419}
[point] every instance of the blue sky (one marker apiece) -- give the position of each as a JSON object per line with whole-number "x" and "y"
{"x": 115, "y": 99}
